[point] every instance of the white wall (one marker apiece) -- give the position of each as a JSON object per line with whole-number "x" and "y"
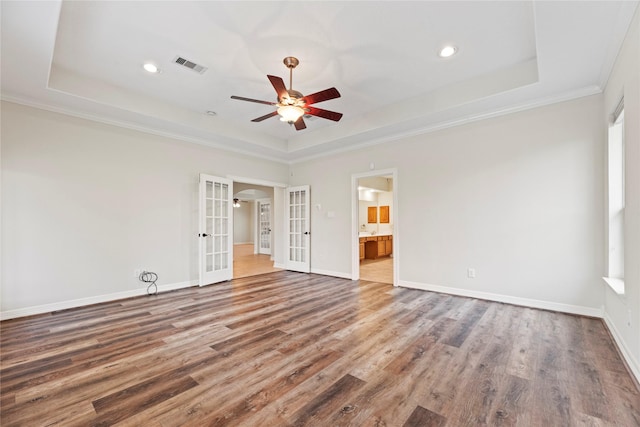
{"x": 518, "y": 197}
{"x": 243, "y": 222}
{"x": 84, "y": 204}
{"x": 385, "y": 198}
{"x": 622, "y": 313}
{"x": 366, "y": 199}
{"x": 377, "y": 199}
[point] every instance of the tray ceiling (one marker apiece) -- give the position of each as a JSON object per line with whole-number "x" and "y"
{"x": 85, "y": 58}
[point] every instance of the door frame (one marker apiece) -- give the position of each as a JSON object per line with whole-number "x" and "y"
{"x": 355, "y": 228}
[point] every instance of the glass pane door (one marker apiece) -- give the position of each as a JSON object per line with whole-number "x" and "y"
{"x": 264, "y": 225}
{"x": 216, "y": 250}
{"x": 298, "y": 229}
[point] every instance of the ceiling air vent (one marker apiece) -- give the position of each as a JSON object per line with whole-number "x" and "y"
{"x": 190, "y": 65}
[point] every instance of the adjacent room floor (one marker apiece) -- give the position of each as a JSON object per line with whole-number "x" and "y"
{"x": 246, "y": 263}
{"x": 377, "y": 270}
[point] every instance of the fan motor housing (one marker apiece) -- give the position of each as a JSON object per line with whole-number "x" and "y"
{"x": 294, "y": 96}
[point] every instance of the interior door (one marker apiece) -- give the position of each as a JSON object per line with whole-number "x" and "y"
{"x": 298, "y": 229}
{"x": 216, "y": 226}
{"x": 264, "y": 226}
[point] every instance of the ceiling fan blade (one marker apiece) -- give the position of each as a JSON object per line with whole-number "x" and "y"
{"x": 325, "y": 114}
{"x": 240, "y": 98}
{"x": 278, "y": 85}
{"x": 266, "y": 116}
{"x": 323, "y": 95}
{"x": 299, "y": 124}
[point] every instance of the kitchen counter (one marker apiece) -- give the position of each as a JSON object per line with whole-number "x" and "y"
{"x": 368, "y": 234}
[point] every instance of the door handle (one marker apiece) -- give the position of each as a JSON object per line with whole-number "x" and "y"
{"x": 307, "y": 232}
{"x": 269, "y": 230}
{"x": 203, "y": 235}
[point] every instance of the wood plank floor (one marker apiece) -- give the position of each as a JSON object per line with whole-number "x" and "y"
{"x": 377, "y": 270}
{"x": 292, "y": 349}
{"x": 246, "y": 263}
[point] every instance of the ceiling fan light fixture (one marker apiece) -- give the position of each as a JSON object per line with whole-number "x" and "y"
{"x": 290, "y": 113}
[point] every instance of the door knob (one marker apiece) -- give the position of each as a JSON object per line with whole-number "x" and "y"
{"x": 204, "y": 235}
{"x": 306, "y": 232}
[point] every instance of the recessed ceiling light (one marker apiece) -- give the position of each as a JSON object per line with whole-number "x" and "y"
{"x": 212, "y": 113}
{"x": 447, "y": 51}
{"x": 151, "y": 67}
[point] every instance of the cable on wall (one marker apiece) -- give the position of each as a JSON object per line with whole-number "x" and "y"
{"x": 150, "y": 278}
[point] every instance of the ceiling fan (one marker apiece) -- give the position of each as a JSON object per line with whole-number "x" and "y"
{"x": 292, "y": 105}
{"x": 236, "y": 202}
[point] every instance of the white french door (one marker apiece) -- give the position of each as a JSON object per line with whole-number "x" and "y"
{"x": 264, "y": 226}
{"x": 298, "y": 229}
{"x": 215, "y": 228}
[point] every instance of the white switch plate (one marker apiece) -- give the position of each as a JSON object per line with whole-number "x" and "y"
{"x": 471, "y": 273}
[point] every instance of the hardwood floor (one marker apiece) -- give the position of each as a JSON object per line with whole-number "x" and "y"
{"x": 377, "y": 270}
{"x": 292, "y": 349}
{"x": 246, "y": 263}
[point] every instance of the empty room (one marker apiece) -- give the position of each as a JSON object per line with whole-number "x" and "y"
{"x": 345, "y": 213}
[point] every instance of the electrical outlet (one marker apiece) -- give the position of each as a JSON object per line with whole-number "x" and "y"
{"x": 471, "y": 273}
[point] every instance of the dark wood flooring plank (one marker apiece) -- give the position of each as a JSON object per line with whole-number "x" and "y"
{"x": 512, "y": 405}
{"x": 256, "y": 401}
{"x": 550, "y": 389}
{"x": 332, "y": 400}
{"x": 466, "y": 324}
{"x": 128, "y": 402}
{"x": 422, "y": 417}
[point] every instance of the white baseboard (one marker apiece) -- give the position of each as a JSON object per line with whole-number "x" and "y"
{"x": 545, "y": 305}
{"x": 319, "y": 271}
{"x": 63, "y": 305}
{"x": 634, "y": 365}
{"x": 331, "y": 273}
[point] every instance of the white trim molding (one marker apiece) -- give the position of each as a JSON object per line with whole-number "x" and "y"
{"x": 526, "y": 302}
{"x": 64, "y": 305}
{"x": 632, "y": 363}
{"x": 331, "y": 273}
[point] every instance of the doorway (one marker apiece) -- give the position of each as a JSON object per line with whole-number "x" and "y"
{"x": 375, "y": 256}
{"x": 253, "y": 229}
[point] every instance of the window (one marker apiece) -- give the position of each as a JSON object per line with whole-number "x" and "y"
{"x": 616, "y": 201}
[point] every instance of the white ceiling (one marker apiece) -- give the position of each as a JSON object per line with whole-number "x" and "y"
{"x": 85, "y": 58}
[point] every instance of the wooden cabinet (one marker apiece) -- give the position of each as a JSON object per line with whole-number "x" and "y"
{"x": 372, "y": 215}
{"x": 375, "y": 246}
{"x": 384, "y": 214}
